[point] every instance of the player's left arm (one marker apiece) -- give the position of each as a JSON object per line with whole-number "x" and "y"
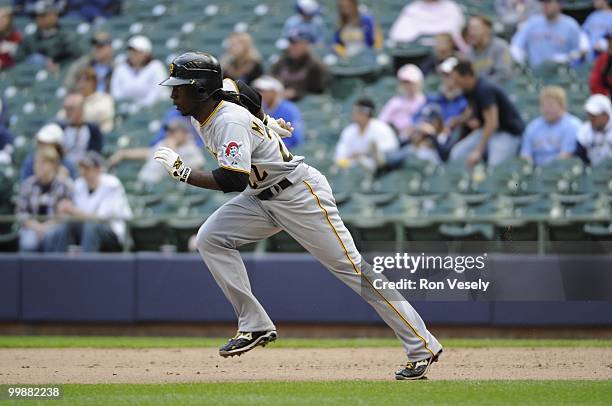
{"x": 222, "y": 179}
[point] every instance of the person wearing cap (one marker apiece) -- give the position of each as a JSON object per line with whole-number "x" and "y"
{"x": 276, "y": 106}
{"x": 357, "y": 31}
{"x": 552, "y": 135}
{"x": 308, "y": 18}
{"x": 50, "y": 44}
{"x": 49, "y": 135}
{"x": 101, "y": 59}
{"x": 135, "y": 80}
{"x": 595, "y": 135}
{"x": 550, "y": 37}
{"x": 39, "y": 195}
{"x": 400, "y": 110}
{"x": 448, "y": 97}
{"x": 96, "y": 217}
{"x": 298, "y": 69}
{"x": 366, "y": 137}
{"x": 80, "y": 135}
{"x": 98, "y": 107}
{"x": 600, "y": 80}
{"x": 597, "y": 25}
{"x": 10, "y": 38}
{"x": 494, "y": 123}
{"x": 242, "y": 60}
{"x": 177, "y": 137}
{"x": 489, "y": 54}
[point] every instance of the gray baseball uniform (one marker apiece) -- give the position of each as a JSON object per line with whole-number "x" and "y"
{"x": 306, "y": 210}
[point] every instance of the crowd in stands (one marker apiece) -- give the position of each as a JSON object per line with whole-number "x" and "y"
{"x": 470, "y": 117}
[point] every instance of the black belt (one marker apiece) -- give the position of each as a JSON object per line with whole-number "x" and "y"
{"x": 273, "y": 190}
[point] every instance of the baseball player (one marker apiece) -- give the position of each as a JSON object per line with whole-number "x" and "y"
{"x": 278, "y": 192}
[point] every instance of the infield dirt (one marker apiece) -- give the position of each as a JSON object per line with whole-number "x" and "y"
{"x": 88, "y": 365}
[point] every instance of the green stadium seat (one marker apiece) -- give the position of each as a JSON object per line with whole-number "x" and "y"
{"x": 181, "y": 231}
{"x": 147, "y": 234}
{"x": 467, "y": 232}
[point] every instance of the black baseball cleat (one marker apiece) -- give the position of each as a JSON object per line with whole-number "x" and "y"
{"x": 245, "y": 341}
{"x": 417, "y": 369}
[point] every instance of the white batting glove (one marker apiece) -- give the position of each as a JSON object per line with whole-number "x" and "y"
{"x": 173, "y": 163}
{"x": 279, "y": 126}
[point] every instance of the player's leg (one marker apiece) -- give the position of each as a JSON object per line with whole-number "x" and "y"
{"x": 238, "y": 222}
{"x": 308, "y": 212}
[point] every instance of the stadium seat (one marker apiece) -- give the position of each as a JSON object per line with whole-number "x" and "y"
{"x": 181, "y": 231}
{"x": 147, "y": 234}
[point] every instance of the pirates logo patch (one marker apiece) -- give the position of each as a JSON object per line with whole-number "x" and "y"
{"x": 232, "y": 152}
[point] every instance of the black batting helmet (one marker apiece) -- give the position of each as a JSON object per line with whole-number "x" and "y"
{"x": 200, "y": 69}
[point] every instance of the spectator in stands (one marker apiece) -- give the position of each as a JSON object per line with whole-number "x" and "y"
{"x": 98, "y": 107}
{"x": 299, "y": 70}
{"x": 307, "y": 18}
{"x": 177, "y": 137}
{"x": 170, "y": 115}
{"x": 421, "y": 143}
{"x": 10, "y": 38}
{"x": 40, "y": 195}
{"x": 400, "y": 110}
{"x": 357, "y": 31}
{"x": 6, "y": 138}
{"x": 90, "y": 10}
{"x": 449, "y": 97}
{"x": 601, "y": 74}
{"x": 101, "y": 59}
{"x": 595, "y": 135}
{"x": 444, "y": 48}
{"x": 548, "y": 37}
{"x": 242, "y": 60}
{"x": 495, "y": 124}
{"x": 276, "y": 106}
{"x": 99, "y": 211}
{"x": 513, "y": 13}
{"x": 80, "y": 136}
{"x": 553, "y": 134}
{"x": 136, "y": 79}
{"x": 50, "y": 45}
{"x": 428, "y": 18}
{"x": 597, "y": 24}
{"x": 489, "y": 55}
{"x": 49, "y": 135}
{"x": 365, "y": 138}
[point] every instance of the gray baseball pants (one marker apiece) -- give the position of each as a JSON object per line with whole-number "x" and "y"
{"x": 307, "y": 211}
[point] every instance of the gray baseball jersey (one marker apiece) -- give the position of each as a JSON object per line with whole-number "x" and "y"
{"x": 306, "y": 210}
{"x": 241, "y": 142}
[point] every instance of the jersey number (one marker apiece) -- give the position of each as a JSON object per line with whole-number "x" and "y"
{"x": 260, "y": 177}
{"x": 273, "y": 136}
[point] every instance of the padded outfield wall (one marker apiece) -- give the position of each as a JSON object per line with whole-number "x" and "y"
{"x": 147, "y": 287}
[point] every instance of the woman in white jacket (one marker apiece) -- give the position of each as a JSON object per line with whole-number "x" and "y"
{"x": 136, "y": 79}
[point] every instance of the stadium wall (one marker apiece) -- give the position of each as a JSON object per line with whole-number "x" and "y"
{"x": 148, "y": 287}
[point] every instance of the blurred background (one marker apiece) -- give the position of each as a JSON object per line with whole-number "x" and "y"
{"x": 389, "y": 99}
